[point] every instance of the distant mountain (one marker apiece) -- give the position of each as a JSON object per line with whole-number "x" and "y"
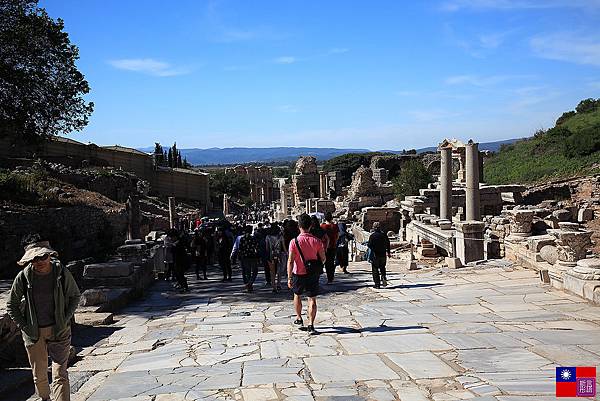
{"x": 491, "y": 146}
{"x": 214, "y": 156}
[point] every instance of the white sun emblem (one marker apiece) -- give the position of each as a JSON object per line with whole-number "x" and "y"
{"x": 565, "y": 374}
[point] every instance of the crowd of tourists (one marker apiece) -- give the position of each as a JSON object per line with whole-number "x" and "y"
{"x": 44, "y": 295}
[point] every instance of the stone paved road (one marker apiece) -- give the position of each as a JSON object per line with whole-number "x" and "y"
{"x": 487, "y": 333}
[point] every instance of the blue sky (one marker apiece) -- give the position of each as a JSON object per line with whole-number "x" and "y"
{"x": 393, "y": 74}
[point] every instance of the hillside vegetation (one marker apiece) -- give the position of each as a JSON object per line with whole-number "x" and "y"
{"x": 570, "y": 148}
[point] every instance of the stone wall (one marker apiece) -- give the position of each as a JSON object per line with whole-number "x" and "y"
{"x": 76, "y": 232}
{"x": 180, "y": 183}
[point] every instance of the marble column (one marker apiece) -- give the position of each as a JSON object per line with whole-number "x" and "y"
{"x": 446, "y": 184}
{"x": 473, "y": 209}
{"x": 225, "y": 204}
{"x": 469, "y": 241}
{"x": 172, "y": 212}
{"x": 323, "y": 185}
{"x": 133, "y": 217}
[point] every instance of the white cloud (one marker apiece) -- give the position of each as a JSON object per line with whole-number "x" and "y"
{"x": 477, "y": 80}
{"x": 567, "y": 46}
{"x": 285, "y": 60}
{"x": 456, "y": 5}
{"x": 148, "y": 66}
{"x": 338, "y": 50}
{"x": 288, "y": 108}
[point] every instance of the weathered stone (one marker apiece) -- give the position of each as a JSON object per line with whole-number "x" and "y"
{"x": 93, "y": 318}
{"x": 549, "y": 253}
{"x": 453, "y": 263}
{"x": 587, "y": 269}
{"x": 362, "y": 183}
{"x": 585, "y": 215}
{"x": 562, "y": 215}
{"x": 109, "y": 269}
{"x": 520, "y": 222}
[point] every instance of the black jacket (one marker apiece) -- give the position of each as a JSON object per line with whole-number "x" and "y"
{"x": 379, "y": 243}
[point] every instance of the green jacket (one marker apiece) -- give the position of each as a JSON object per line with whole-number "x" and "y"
{"x": 21, "y": 307}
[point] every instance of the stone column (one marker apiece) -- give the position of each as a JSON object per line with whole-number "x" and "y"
{"x": 172, "y": 212}
{"x": 225, "y": 204}
{"x": 472, "y": 201}
{"x": 133, "y": 217}
{"x": 446, "y": 184}
{"x": 323, "y": 185}
{"x": 469, "y": 241}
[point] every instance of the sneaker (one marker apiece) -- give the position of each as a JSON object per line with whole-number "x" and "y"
{"x": 311, "y": 330}
{"x": 299, "y": 322}
{"x": 384, "y": 282}
{"x": 376, "y": 287}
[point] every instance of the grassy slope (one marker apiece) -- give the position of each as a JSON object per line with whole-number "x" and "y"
{"x": 534, "y": 160}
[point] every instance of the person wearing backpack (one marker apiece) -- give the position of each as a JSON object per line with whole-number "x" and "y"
{"x": 304, "y": 266}
{"x": 379, "y": 244}
{"x": 247, "y": 252}
{"x": 332, "y": 231}
{"x": 276, "y": 255}
{"x": 42, "y": 302}
{"x": 341, "y": 252}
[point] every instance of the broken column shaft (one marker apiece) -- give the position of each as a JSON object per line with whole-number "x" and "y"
{"x": 473, "y": 210}
{"x": 446, "y": 184}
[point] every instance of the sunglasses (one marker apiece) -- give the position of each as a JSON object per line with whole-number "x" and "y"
{"x": 40, "y": 258}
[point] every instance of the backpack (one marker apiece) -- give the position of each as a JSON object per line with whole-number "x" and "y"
{"x": 248, "y": 247}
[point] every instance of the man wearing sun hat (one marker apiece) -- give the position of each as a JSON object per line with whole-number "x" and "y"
{"x": 50, "y": 297}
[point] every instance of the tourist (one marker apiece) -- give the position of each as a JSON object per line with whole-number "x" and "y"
{"x": 261, "y": 237}
{"x": 317, "y": 231}
{"x": 344, "y": 239}
{"x": 199, "y": 247}
{"x": 306, "y": 253}
{"x": 42, "y": 301}
{"x": 276, "y": 255}
{"x": 169, "y": 257}
{"x": 246, "y": 247}
{"x": 223, "y": 245}
{"x": 210, "y": 245}
{"x": 332, "y": 231}
{"x": 379, "y": 244}
{"x": 181, "y": 262}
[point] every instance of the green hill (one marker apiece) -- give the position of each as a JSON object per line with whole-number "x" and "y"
{"x": 570, "y": 148}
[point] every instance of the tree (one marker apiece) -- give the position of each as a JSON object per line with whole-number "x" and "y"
{"x": 179, "y": 161}
{"x": 41, "y": 89}
{"x": 413, "y": 176}
{"x": 229, "y": 183}
{"x": 170, "y": 158}
{"x": 158, "y": 151}
{"x": 587, "y": 105}
{"x": 565, "y": 116}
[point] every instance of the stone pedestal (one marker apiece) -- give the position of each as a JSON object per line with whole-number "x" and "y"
{"x": 472, "y": 201}
{"x": 584, "y": 279}
{"x": 469, "y": 241}
{"x": 446, "y": 183}
{"x": 520, "y": 224}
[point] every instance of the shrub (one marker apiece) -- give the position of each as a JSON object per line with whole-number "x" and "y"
{"x": 413, "y": 176}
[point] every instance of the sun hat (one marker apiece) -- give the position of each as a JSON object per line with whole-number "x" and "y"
{"x": 36, "y": 249}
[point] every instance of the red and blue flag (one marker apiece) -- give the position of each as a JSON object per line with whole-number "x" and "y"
{"x": 579, "y": 381}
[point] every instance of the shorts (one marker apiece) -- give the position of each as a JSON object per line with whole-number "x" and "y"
{"x": 305, "y": 284}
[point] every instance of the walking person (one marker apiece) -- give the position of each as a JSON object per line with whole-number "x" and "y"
{"x": 181, "y": 262}
{"x": 261, "y": 236}
{"x": 246, "y": 247}
{"x": 342, "y": 251}
{"x": 199, "y": 250}
{"x": 223, "y": 248}
{"x": 169, "y": 256}
{"x": 379, "y": 243}
{"x": 305, "y": 262}
{"x": 42, "y": 301}
{"x": 332, "y": 231}
{"x": 276, "y": 251}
